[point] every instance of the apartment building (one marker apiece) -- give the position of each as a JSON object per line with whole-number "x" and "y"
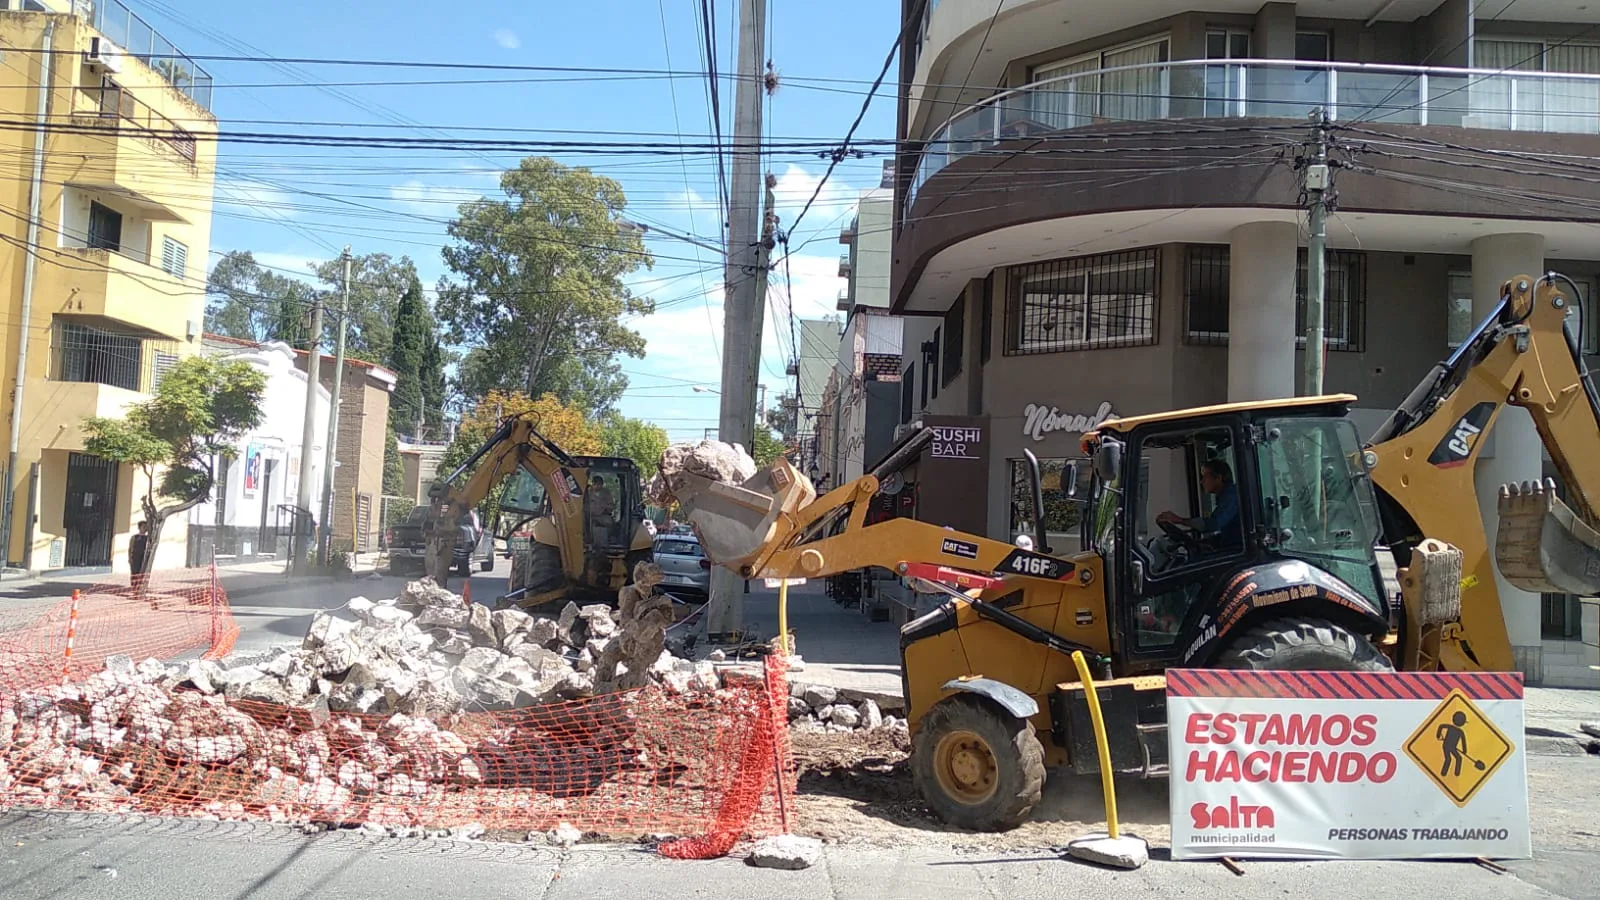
{"x": 103, "y": 243}
{"x": 1097, "y": 212}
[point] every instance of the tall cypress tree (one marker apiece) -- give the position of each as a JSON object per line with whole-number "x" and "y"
{"x": 412, "y": 332}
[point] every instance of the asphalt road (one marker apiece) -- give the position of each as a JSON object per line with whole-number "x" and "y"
{"x": 83, "y": 857}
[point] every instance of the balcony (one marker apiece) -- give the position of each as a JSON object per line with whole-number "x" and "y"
{"x": 843, "y": 303}
{"x": 844, "y": 265}
{"x": 135, "y": 36}
{"x": 847, "y": 234}
{"x": 1262, "y": 88}
{"x": 108, "y": 285}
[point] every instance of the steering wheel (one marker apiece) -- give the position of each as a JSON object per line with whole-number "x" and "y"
{"x": 1183, "y": 534}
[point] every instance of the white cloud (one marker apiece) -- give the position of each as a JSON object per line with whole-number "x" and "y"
{"x": 435, "y": 200}
{"x": 795, "y": 187}
{"x": 507, "y": 38}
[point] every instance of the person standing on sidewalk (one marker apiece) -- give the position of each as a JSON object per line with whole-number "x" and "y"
{"x": 139, "y": 557}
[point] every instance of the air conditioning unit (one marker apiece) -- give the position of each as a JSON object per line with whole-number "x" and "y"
{"x": 103, "y": 56}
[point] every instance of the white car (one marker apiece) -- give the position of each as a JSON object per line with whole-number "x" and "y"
{"x": 683, "y": 562}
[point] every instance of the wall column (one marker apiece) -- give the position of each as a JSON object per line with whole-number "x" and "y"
{"x": 1512, "y": 450}
{"x": 1261, "y": 335}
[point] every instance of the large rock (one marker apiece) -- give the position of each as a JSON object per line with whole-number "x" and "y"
{"x": 482, "y": 661}
{"x": 427, "y": 593}
{"x": 325, "y": 628}
{"x": 388, "y": 616}
{"x": 846, "y": 716}
{"x": 871, "y": 715}
{"x": 508, "y": 622}
{"x": 443, "y": 617}
{"x": 544, "y": 632}
{"x": 480, "y": 626}
{"x": 820, "y": 695}
{"x": 785, "y": 851}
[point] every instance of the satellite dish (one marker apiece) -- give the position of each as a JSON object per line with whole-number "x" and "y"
{"x": 893, "y": 484}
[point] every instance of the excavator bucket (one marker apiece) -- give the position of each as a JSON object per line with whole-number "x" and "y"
{"x": 735, "y": 521}
{"x": 1543, "y": 546}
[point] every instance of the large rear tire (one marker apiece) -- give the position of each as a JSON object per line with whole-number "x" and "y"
{"x": 979, "y": 767}
{"x": 1303, "y": 644}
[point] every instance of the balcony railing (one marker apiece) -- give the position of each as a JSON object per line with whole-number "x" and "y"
{"x": 125, "y": 29}
{"x": 1496, "y": 99}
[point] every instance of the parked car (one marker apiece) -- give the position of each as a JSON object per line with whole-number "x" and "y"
{"x": 683, "y": 562}
{"x": 408, "y": 551}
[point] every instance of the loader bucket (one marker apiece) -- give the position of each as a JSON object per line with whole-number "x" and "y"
{"x": 735, "y": 522}
{"x": 1542, "y": 545}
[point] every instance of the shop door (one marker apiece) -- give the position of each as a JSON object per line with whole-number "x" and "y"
{"x": 90, "y": 503}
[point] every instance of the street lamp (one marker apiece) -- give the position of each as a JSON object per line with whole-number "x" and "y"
{"x": 702, "y": 389}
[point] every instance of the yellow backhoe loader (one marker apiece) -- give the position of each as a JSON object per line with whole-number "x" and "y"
{"x": 1236, "y": 536}
{"x": 585, "y": 515}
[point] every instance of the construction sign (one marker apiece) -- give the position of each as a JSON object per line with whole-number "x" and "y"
{"x": 1330, "y": 765}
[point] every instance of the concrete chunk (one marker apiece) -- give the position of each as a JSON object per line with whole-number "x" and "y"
{"x": 820, "y": 695}
{"x": 1121, "y": 852}
{"x": 785, "y": 851}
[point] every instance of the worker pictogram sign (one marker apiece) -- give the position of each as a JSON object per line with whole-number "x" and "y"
{"x": 1347, "y": 765}
{"x": 1459, "y": 748}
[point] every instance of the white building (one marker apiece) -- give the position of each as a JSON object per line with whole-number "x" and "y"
{"x": 256, "y": 490}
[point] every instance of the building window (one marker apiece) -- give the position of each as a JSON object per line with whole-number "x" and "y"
{"x": 1581, "y": 318}
{"x": 105, "y": 228}
{"x": 955, "y": 333}
{"x": 986, "y": 328}
{"x": 930, "y": 370}
{"x": 1539, "y": 104}
{"x": 1136, "y": 88}
{"x": 1344, "y": 297}
{"x": 1061, "y": 514}
{"x": 87, "y": 354}
{"x": 174, "y": 258}
{"x": 1083, "y": 303}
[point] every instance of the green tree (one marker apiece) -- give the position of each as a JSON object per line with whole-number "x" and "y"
{"x": 377, "y": 283}
{"x": 767, "y": 447}
{"x": 536, "y": 286}
{"x": 199, "y": 412}
{"x": 246, "y": 301}
{"x": 634, "y": 439}
{"x": 407, "y": 351}
{"x": 781, "y": 416}
{"x": 435, "y": 388}
{"x": 394, "y": 469}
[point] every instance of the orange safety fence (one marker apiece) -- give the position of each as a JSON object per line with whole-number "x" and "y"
{"x": 703, "y": 766}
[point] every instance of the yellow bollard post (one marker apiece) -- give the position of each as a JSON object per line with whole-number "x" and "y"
{"x": 783, "y": 618}
{"x": 1107, "y": 783}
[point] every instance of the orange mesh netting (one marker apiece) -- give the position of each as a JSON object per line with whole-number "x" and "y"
{"x": 708, "y": 766}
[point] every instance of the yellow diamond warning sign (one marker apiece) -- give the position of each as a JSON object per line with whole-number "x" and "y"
{"x": 1458, "y": 747}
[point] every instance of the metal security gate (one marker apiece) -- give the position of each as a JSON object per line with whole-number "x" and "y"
{"x": 363, "y": 523}
{"x": 91, "y": 502}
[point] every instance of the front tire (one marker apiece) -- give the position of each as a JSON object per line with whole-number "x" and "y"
{"x": 979, "y": 767}
{"x": 1303, "y": 644}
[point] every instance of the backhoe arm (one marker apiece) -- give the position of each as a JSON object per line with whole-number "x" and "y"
{"x": 514, "y": 443}
{"x": 1522, "y": 354}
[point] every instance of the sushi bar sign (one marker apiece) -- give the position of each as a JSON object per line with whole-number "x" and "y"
{"x": 1042, "y": 421}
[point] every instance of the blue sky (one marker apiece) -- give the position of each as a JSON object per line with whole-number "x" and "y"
{"x": 262, "y": 199}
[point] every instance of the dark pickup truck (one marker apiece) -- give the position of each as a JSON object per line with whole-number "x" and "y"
{"x": 408, "y": 550}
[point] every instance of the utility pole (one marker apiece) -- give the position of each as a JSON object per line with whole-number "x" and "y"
{"x": 303, "y": 497}
{"x": 1318, "y": 180}
{"x": 324, "y": 547}
{"x": 23, "y": 328}
{"x": 744, "y": 278}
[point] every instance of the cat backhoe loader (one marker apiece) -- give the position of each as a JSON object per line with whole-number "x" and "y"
{"x": 1236, "y": 536}
{"x": 586, "y": 515}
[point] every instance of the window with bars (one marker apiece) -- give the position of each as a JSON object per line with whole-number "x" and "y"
{"x": 87, "y": 354}
{"x": 1344, "y": 297}
{"x": 174, "y": 257}
{"x": 1083, "y": 303}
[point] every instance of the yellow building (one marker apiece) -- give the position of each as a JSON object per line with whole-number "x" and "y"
{"x": 105, "y": 217}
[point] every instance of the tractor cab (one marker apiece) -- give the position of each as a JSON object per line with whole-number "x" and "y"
{"x": 1212, "y": 520}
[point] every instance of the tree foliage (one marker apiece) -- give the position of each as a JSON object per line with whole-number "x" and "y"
{"x": 781, "y": 416}
{"x": 407, "y": 353}
{"x": 201, "y": 408}
{"x": 247, "y": 301}
{"x": 378, "y": 281}
{"x": 566, "y": 426}
{"x": 536, "y": 286}
{"x": 634, "y": 439}
{"x": 767, "y": 447}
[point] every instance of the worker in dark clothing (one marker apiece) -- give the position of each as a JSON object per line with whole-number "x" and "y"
{"x": 1216, "y": 477}
{"x": 139, "y": 557}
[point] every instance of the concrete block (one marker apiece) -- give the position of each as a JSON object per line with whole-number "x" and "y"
{"x": 785, "y": 851}
{"x": 1121, "y": 852}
